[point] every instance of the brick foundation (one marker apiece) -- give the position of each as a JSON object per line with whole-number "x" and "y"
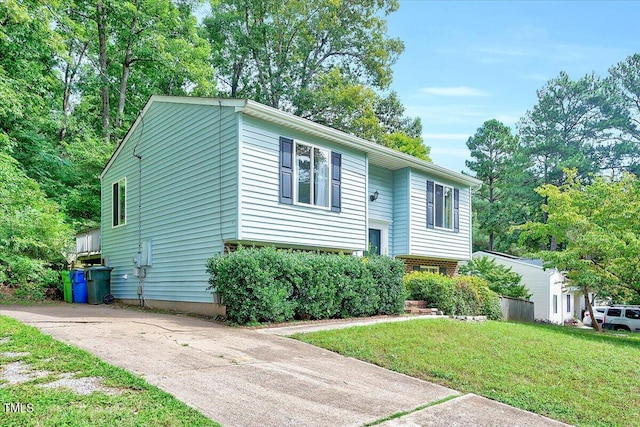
{"x": 450, "y": 266}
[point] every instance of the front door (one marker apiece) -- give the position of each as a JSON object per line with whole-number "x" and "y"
{"x": 375, "y": 241}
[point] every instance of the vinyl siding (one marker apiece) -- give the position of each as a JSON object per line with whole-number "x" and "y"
{"x": 542, "y": 284}
{"x": 188, "y": 201}
{"x": 435, "y": 242}
{"x": 381, "y": 180}
{"x": 264, "y": 219}
{"x": 401, "y": 211}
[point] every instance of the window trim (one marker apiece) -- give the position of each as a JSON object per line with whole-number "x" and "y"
{"x": 432, "y": 204}
{"x": 313, "y": 147}
{"x": 116, "y": 206}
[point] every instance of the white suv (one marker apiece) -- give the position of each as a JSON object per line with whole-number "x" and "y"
{"x": 598, "y": 312}
{"x": 622, "y": 318}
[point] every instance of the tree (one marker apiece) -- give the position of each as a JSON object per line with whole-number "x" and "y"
{"x": 598, "y": 229}
{"x": 273, "y": 51}
{"x": 32, "y": 230}
{"x": 624, "y": 80}
{"x": 323, "y": 60}
{"x": 492, "y": 149}
{"x": 152, "y": 45}
{"x": 564, "y": 129}
{"x": 501, "y": 279}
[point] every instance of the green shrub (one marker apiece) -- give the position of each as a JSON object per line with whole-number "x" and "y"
{"x": 30, "y": 292}
{"x": 33, "y": 234}
{"x": 436, "y": 289}
{"x": 253, "y": 285}
{"x": 317, "y": 289}
{"x": 359, "y": 296}
{"x": 477, "y": 298}
{"x": 267, "y": 285}
{"x": 460, "y": 295}
{"x": 501, "y": 279}
{"x": 387, "y": 274}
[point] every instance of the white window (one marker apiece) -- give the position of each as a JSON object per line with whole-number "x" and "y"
{"x": 430, "y": 269}
{"x": 312, "y": 175}
{"x": 444, "y": 206}
{"x": 119, "y": 202}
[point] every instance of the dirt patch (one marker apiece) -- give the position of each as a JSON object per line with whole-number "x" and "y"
{"x": 82, "y": 385}
{"x": 20, "y": 372}
{"x": 12, "y": 354}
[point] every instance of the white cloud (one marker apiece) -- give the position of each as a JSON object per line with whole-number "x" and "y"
{"x": 445, "y": 136}
{"x": 458, "y": 115}
{"x": 453, "y": 91}
{"x": 462, "y": 153}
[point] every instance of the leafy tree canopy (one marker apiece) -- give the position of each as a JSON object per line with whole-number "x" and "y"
{"x": 32, "y": 230}
{"x": 323, "y": 60}
{"x": 597, "y": 227}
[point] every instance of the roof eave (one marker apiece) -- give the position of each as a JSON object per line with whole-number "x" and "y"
{"x": 289, "y": 120}
{"x": 386, "y": 155}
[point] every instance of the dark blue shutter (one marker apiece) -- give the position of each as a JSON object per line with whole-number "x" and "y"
{"x": 286, "y": 170}
{"x": 430, "y": 204}
{"x": 336, "y": 179}
{"x": 456, "y": 210}
{"x": 115, "y": 203}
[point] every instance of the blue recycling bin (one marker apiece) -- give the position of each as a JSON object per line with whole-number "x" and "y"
{"x": 78, "y": 286}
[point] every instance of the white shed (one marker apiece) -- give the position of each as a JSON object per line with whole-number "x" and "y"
{"x": 553, "y": 300}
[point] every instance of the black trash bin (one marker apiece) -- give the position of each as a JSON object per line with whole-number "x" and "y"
{"x": 98, "y": 283}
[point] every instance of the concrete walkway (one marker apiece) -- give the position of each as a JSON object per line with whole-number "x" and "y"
{"x": 243, "y": 377}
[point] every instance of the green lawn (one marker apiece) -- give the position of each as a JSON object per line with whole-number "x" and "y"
{"x": 135, "y": 403}
{"x": 572, "y": 375}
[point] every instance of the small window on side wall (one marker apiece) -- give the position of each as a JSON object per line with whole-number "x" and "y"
{"x": 430, "y": 269}
{"x": 119, "y": 202}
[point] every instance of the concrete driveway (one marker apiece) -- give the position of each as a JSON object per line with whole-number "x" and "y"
{"x": 242, "y": 377}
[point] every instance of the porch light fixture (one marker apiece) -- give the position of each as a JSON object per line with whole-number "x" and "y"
{"x": 374, "y": 196}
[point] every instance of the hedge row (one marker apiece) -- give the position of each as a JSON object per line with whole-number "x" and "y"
{"x": 270, "y": 285}
{"x": 460, "y": 295}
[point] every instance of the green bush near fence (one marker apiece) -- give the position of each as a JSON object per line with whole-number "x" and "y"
{"x": 270, "y": 285}
{"x": 460, "y": 295}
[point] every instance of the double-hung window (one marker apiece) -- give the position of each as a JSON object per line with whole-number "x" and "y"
{"x": 310, "y": 175}
{"x": 119, "y": 202}
{"x": 443, "y": 204}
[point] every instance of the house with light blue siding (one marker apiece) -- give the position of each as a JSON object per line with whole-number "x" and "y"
{"x": 195, "y": 177}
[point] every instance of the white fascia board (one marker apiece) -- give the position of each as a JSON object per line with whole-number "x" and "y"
{"x": 386, "y": 157}
{"x": 172, "y": 100}
{"x": 391, "y": 158}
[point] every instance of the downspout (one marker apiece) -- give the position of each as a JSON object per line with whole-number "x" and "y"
{"x": 139, "y": 253}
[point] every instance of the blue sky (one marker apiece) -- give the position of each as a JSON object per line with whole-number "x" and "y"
{"x": 466, "y": 62}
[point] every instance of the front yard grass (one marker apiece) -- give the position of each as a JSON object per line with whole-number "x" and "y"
{"x": 125, "y": 400}
{"x": 571, "y": 375}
